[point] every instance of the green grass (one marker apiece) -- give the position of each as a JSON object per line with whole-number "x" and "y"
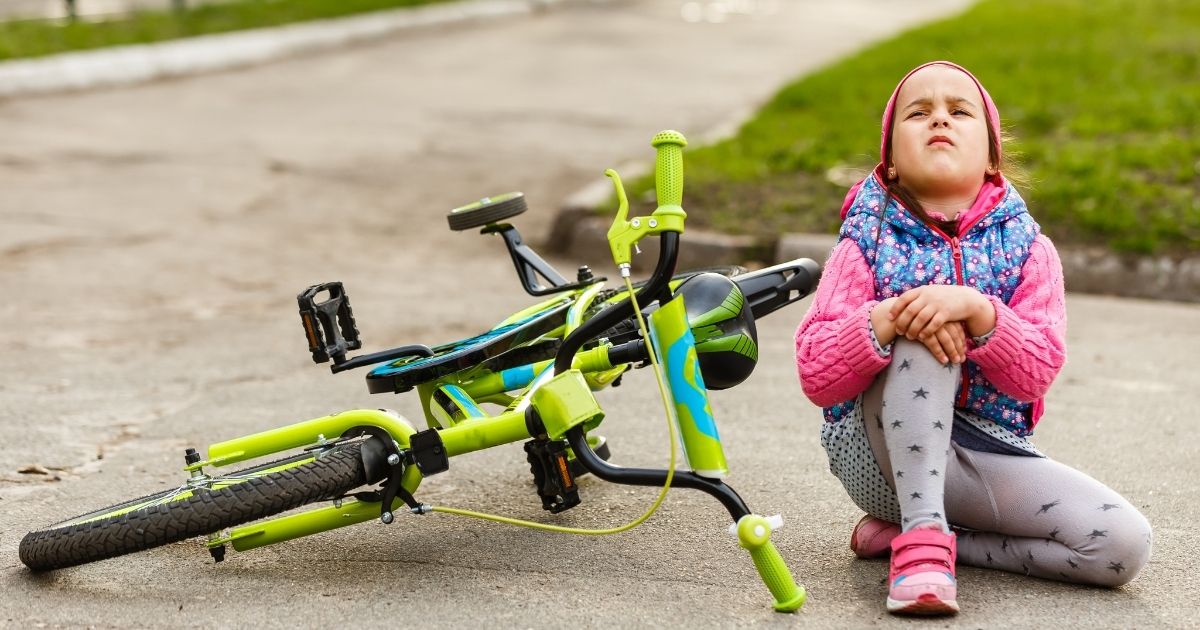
{"x": 1102, "y": 96}
{"x": 35, "y": 38}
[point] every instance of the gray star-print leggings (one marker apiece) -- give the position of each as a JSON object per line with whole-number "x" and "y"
{"x": 1023, "y": 514}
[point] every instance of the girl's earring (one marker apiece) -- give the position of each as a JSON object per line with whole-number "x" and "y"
{"x": 891, "y": 172}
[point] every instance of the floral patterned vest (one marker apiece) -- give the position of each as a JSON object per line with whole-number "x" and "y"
{"x": 903, "y": 253}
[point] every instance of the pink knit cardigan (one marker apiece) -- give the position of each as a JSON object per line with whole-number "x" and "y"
{"x": 837, "y": 361}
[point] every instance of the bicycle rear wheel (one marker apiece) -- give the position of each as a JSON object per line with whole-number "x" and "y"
{"x": 185, "y": 512}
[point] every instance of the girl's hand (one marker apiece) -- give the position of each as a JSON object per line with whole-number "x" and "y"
{"x": 881, "y": 322}
{"x": 948, "y": 343}
{"x": 920, "y": 313}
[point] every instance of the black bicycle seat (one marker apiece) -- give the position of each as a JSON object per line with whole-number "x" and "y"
{"x": 405, "y": 373}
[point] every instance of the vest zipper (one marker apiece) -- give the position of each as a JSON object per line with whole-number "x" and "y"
{"x": 956, "y": 252}
{"x": 960, "y": 279}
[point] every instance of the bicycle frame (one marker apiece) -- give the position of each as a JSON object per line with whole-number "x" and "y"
{"x": 477, "y": 430}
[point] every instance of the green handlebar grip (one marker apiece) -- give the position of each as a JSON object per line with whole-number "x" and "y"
{"x": 668, "y": 170}
{"x": 774, "y": 572}
{"x": 754, "y": 534}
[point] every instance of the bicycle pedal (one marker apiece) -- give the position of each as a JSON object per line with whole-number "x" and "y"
{"x": 552, "y": 476}
{"x": 329, "y": 325}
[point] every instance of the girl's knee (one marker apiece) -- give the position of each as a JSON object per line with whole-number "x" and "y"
{"x": 1123, "y": 553}
{"x": 916, "y": 352}
{"x": 907, "y": 346}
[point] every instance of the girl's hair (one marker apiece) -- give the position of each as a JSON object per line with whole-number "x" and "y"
{"x": 950, "y": 226}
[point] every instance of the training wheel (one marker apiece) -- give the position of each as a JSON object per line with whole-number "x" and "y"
{"x": 487, "y": 210}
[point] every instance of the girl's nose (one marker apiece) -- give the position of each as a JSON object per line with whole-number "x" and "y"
{"x": 939, "y": 118}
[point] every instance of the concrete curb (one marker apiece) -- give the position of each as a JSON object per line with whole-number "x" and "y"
{"x": 1086, "y": 270}
{"x": 125, "y": 65}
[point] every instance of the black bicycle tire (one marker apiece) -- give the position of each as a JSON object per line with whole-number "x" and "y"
{"x": 100, "y": 512}
{"x": 491, "y": 213}
{"x": 331, "y": 475}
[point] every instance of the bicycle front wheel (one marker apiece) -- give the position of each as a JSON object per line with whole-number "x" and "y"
{"x": 186, "y": 512}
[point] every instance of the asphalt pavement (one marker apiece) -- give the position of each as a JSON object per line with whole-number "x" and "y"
{"x": 152, "y": 240}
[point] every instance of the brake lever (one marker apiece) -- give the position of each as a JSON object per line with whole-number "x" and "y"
{"x": 624, "y": 233}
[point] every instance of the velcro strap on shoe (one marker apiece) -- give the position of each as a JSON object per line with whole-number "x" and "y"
{"x": 924, "y": 546}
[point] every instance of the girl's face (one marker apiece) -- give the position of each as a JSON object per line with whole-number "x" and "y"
{"x": 939, "y": 134}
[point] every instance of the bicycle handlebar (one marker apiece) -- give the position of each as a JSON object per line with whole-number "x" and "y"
{"x": 667, "y": 222}
{"x": 668, "y": 168}
{"x": 754, "y": 535}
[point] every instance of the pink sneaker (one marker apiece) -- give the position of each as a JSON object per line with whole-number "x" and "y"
{"x": 872, "y": 537}
{"x": 922, "y": 573}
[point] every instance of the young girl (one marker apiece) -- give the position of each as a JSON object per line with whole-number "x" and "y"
{"x": 938, "y": 325}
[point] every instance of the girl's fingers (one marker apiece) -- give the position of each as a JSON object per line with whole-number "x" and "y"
{"x": 960, "y": 341}
{"x": 905, "y": 317}
{"x": 934, "y": 344}
{"x": 919, "y": 327}
{"x": 935, "y": 323}
{"x": 903, "y": 301}
{"x": 946, "y": 339}
{"x": 898, "y": 306}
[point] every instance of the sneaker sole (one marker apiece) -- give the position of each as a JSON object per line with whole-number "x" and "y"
{"x": 923, "y": 605}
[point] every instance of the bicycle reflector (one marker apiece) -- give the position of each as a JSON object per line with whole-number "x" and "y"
{"x": 723, "y": 325}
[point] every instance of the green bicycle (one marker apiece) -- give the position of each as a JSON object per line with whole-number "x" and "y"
{"x": 540, "y": 366}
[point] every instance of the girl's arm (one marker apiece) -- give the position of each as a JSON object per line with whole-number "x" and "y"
{"x": 835, "y": 356}
{"x": 1028, "y": 348}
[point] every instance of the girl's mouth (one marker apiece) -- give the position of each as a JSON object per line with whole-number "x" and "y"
{"x": 939, "y": 140}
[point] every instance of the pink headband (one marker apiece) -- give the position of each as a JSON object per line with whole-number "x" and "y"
{"x": 889, "y": 112}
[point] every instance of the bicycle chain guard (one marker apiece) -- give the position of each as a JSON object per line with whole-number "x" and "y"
{"x": 329, "y": 325}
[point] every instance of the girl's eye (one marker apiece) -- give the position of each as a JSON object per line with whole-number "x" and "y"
{"x": 961, "y": 111}
{"x": 915, "y": 114}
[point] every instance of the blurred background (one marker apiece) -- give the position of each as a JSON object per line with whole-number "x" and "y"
{"x": 1099, "y": 99}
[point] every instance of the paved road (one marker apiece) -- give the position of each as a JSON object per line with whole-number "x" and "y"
{"x": 152, "y": 240}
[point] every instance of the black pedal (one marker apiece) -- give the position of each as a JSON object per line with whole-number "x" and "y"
{"x": 552, "y": 474}
{"x": 328, "y": 325}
